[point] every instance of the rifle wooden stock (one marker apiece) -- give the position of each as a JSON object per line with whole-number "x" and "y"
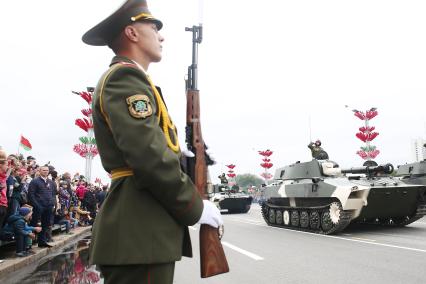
{"x": 212, "y": 256}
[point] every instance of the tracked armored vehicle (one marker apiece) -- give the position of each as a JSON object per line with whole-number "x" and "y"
{"x": 231, "y": 200}
{"x": 414, "y": 173}
{"x": 319, "y": 197}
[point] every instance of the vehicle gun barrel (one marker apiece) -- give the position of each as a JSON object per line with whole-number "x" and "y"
{"x": 370, "y": 170}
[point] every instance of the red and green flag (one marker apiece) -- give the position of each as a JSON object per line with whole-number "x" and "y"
{"x": 25, "y": 143}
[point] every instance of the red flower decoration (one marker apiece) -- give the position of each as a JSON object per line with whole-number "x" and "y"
{"x": 362, "y": 154}
{"x": 87, "y": 112}
{"x": 85, "y": 96}
{"x": 266, "y": 153}
{"x": 266, "y": 165}
{"x": 359, "y": 114}
{"x": 367, "y": 129}
{"x": 266, "y": 175}
{"x": 372, "y": 135}
{"x": 371, "y": 114}
{"x": 373, "y": 154}
{"x": 364, "y": 137}
{"x": 84, "y": 123}
{"x": 85, "y": 149}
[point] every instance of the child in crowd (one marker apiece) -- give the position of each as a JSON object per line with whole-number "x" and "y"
{"x": 61, "y": 219}
{"x": 83, "y": 217}
{"x": 17, "y": 224}
{"x": 69, "y": 218}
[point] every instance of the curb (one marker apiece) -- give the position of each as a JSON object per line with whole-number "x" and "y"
{"x": 14, "y": 264}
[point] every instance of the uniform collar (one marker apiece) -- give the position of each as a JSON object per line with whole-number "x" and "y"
{"x": 121, "y": 59}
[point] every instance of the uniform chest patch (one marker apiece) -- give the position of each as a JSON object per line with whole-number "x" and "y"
{"x": 139, "y": 106}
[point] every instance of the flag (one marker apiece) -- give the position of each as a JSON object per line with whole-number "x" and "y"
{"x": 25, "y": 143}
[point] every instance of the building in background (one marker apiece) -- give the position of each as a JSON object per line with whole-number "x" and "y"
{"x": 419, "y": 151}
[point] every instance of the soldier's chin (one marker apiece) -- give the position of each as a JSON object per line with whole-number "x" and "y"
{"x": 156, "y": 57}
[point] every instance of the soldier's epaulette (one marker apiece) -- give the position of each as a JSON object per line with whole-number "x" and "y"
{"x": 128, "y": 64}
{"x": 105, "y": 78}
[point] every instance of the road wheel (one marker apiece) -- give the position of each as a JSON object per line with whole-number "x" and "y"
{"x": 279, "y": 217}
{"x": 304, "y": 219}
{"x": 295, "y": 218}
{"x": 326, "y": 223}
{"x": 272, "y": 216}
{"x": 286, "y": 217}
{"x": 314, "y": 220}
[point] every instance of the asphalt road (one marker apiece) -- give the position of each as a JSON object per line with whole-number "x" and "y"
{"x": 261, "y": 254}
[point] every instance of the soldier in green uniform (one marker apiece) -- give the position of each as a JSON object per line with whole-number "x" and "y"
{"x": 141, "y": 229}
{"x": 317, "y": 151}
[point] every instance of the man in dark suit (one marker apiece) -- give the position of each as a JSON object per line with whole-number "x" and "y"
{"x": 41, "y": 194}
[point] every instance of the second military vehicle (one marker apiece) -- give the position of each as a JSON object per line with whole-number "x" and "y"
{"x": 231, "y": 199}
{"x": 318, "y": 196}
{"x": 413, "y": 173}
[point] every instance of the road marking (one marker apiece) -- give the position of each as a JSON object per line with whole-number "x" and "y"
{"x": 349, "y": 238}
{"x": 236, "y": 219}
{"x": 363, "y": 239}
{"x": 358, "y": 238}
{"x": 242, "y": 251}
{"x": 352, "y": 239}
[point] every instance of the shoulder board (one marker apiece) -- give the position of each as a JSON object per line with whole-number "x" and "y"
{"x": 127, "y": 64}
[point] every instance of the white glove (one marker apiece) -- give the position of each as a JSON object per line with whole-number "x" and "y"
{"x": 211, "y": 215}
{"x": 187, "y": 153}
{"x": 209, "y": 152}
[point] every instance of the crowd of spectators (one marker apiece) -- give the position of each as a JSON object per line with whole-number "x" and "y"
{"x": 33, "y": 198}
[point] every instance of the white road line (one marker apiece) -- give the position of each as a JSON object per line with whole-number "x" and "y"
{"x": 352, "y": 239}
{"x": 363, "y": 239}
{"x": 242, "y": 251}
{"x": 246, "y": 220}
{"x": 358, "y": 238}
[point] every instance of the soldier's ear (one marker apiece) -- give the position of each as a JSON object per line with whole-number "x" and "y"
{"x": 131, "y": 33}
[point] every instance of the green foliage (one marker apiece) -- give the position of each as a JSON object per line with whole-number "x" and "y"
{"x": 87, "y": 140}
{"x": 246, "y": 180}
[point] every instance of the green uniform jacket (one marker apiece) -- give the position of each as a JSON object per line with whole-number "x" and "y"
{"x": 144, "y": 217}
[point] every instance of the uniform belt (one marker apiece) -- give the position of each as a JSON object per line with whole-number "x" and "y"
{"x": 121, "y": 172}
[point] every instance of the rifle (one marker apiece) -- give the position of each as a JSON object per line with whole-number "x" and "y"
{"x": 212, "y": 256}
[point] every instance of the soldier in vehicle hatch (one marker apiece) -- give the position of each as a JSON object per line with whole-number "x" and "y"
{"x": 223, "y": 179}
{"x": 317, "y": 151}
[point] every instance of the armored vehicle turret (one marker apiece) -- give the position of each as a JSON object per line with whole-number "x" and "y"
{"x": 320, "y": 197}
{"x": 414, "y": 173}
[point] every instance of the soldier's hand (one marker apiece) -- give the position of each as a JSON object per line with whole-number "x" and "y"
{"x": 187, "y": 153}
{"x": 211, "y": 215}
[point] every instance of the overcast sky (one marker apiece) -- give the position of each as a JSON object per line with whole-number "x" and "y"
{"x": 266, "y": 68}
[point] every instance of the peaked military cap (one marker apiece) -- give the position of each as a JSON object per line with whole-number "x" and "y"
{"x": 129, "y": 12}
